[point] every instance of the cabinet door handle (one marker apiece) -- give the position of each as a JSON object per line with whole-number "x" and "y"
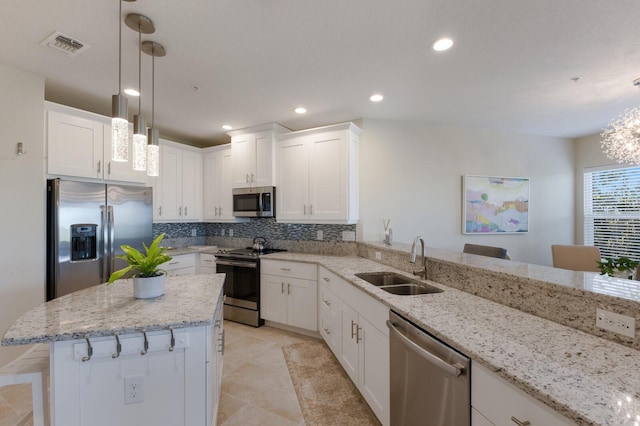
{"x": 310, "y": 209}
{"x": 253, "y": 178}
{"x": 246, "y": 179}
{"x": 305, "y": 209}
{"x": 288, "y": 288}
{"x": 326, "y": 330}
{"x": 286, "y": 269}
{"x": 281, "y": 288}
{"x": 216, "y": 211}
{"x": 109, "y": 168}
{"x": 353, "y": 333}
{"x": 180, "y": 211}
{"x": 159, "y": 210}
{"x": 326, "y": 279}
{"x": 358, "y": 338}
{"x": 519, "y": 422}
{"x": 98, "y": 166}
{"x": 185, "y": 211}
{"x": 326, "y": 302}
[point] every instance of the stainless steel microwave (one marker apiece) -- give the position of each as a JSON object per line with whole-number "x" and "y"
{"x": 254, "y": 202}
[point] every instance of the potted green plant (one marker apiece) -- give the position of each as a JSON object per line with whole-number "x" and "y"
{"x": 148, "y": 279}
{"x": 622, "y": 266}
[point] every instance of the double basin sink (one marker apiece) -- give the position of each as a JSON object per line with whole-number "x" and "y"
{"x": 397, "y": 284}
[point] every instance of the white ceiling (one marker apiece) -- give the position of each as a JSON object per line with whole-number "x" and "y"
{"x": 254, "y": 61}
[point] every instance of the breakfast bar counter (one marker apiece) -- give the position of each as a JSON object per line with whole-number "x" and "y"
{"x": 119, "y": 360}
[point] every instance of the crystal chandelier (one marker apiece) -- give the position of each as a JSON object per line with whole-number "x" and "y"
{"x": 621, "y": 138}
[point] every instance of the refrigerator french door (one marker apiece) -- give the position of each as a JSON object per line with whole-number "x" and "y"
{"x": 86, "y": 225}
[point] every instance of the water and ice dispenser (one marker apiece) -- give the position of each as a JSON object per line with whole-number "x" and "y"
{"x": 84, "y": 242}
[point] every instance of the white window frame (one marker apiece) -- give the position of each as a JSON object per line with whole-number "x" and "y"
{"x": 614, "y": 239}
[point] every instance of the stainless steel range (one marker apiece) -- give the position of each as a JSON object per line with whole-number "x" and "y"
{"x": 242, "y": 284}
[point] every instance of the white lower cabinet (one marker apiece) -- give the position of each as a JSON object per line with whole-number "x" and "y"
{"x": 184, "y": 264}
{"x": 207, "y": 264}
{"x": 354, "y": 326}
{"x": 496, "y": 402}
{"x": 288, "y": 293}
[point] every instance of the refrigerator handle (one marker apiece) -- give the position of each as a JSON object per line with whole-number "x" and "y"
{"x": 112, "y": 241}
{"x": 105, "y": 247}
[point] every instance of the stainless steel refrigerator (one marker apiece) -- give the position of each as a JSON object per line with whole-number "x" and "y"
{"x": 86, "y": 225}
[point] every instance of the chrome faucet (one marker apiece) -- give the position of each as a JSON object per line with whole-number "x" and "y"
{"x": 421, "y": 272}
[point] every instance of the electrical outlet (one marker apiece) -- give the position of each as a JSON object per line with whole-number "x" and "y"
{"x": 348, "y": 235}
{"x": 222, "y": 232}
{"x": 133, "y": 389}
{"x": 231, "y": 232}
{"x": 193, "y": 232}
{"x": 320, "y": 235}
{"x": 378, "y": 255}
{"x": 616, "y": 323}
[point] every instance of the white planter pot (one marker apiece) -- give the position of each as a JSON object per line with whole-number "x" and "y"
{"x": 148, "y": 288}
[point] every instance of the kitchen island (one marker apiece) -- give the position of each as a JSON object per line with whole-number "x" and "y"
{"x": 120, "y": 360}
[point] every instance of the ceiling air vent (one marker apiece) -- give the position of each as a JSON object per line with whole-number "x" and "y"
{"x": 64, "y": 43}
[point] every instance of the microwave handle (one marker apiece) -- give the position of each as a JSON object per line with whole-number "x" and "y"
{"x": 260, "y": 206}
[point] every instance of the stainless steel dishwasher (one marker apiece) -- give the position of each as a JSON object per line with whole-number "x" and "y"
{"x": 430, "y": 381}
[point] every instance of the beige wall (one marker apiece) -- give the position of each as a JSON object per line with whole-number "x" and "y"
{"x": 22, "y": 191}
{"x": 412, "y": 173}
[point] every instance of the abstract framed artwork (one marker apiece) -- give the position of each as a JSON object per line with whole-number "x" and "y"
{"x": 495, "y": 205}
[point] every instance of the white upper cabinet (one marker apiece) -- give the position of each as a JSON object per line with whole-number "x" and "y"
{"x": 178, "y": 194}
{"x": 252, "y": 152}
{"x": 317, "y": 175}
{"x": 218, "y": 176}
{"x": 79, "y": 145}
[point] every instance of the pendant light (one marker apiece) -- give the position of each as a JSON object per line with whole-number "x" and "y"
{"x": 141, "y": 24}
{"x": 119, "y": 113}
{"x": 621, "y": 138}
{"x": 153, "y": 149}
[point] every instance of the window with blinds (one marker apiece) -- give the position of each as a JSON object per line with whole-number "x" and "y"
{"x": 612, "y": 211}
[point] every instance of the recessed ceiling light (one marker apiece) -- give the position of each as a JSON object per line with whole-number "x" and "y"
{"x": 132, "y": 92}
{"x": 227, "y": 127}
{"x": 442, "y": 44}
{"x": 300, "y": 110}
{"x": 376, "y": 98}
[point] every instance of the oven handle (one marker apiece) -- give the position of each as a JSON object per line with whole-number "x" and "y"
{"x": 454, "y": 370}
{"x": 252, "y": 265}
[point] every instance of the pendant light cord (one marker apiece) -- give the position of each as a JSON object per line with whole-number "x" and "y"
{"x": 120, "y": 48}
{"x": 140, "y": 69}
{"x": 153, "y": 86}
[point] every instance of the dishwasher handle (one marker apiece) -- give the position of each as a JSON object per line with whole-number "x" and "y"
{"x": 453, "y": 370}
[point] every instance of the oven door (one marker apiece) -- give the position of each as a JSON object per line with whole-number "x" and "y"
{"x": 242, "y": 282}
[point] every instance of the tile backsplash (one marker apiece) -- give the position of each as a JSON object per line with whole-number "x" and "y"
{"x": 184, "y": 234}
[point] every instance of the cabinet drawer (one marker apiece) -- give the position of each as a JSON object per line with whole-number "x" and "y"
{"x": 181, "y": 261}
{"x": 305, "y": 271}
{"x": 498, "y": 400}
{"x": 328, "y": 301}
{"x": 330, "y": 280}
{"x": 207, "y": 260}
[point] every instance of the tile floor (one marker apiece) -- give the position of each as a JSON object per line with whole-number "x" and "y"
{"x": 256, "y": 386}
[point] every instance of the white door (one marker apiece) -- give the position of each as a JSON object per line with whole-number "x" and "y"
{"x": 374, "y": 369}
{"x": 264, "y": 160}
{"x": 225, "y": 202}
{"x": 243, "y": 149}
{"x": 119, "y": 170}
{"x": 191, "y": 178}
{"x": 293, "y": 180}
{"x": 171, "y": 175}
{"x": 273, "y": 298}
{"x": 349, "y": 355}
{"x": 302, "y": 306}
{"x": 74, "y": 146}
{"x": 328, "y": 177}
{"x": 212, "y": 185}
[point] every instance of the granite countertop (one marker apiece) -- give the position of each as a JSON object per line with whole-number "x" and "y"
{"x": 588, "y": 379}
{"x": 102, "y": 310}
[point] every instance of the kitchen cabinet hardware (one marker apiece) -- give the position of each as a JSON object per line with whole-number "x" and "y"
{"x": 221, "y": 350}
{"x": 173, "y": 340}
{"x": 310, "y": 209}
{"x": 286, "y": 269}
{"x": 282, "y": 288}
{"x": 146, "y": 342}
{"x": 109, "y": 168}
{"x": 159, "y": 210}
{"x": 327, "y": 279}
{"x": 180, "y": 211}
{"x": 326, "y": 302}
{"x": 98, "y": 166}
{"x": 358, "y": 338}
{"x": 519, "y": 422}
{"x": 186, "y": 213}
{"x": 353, "y": 333}
{"x": 305, "y": 210}
{"x": 326, "y": 330}
{"x": 89, "y": 350}
{"x": 118, "y": 346}
{"x": 288, "y": 288}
